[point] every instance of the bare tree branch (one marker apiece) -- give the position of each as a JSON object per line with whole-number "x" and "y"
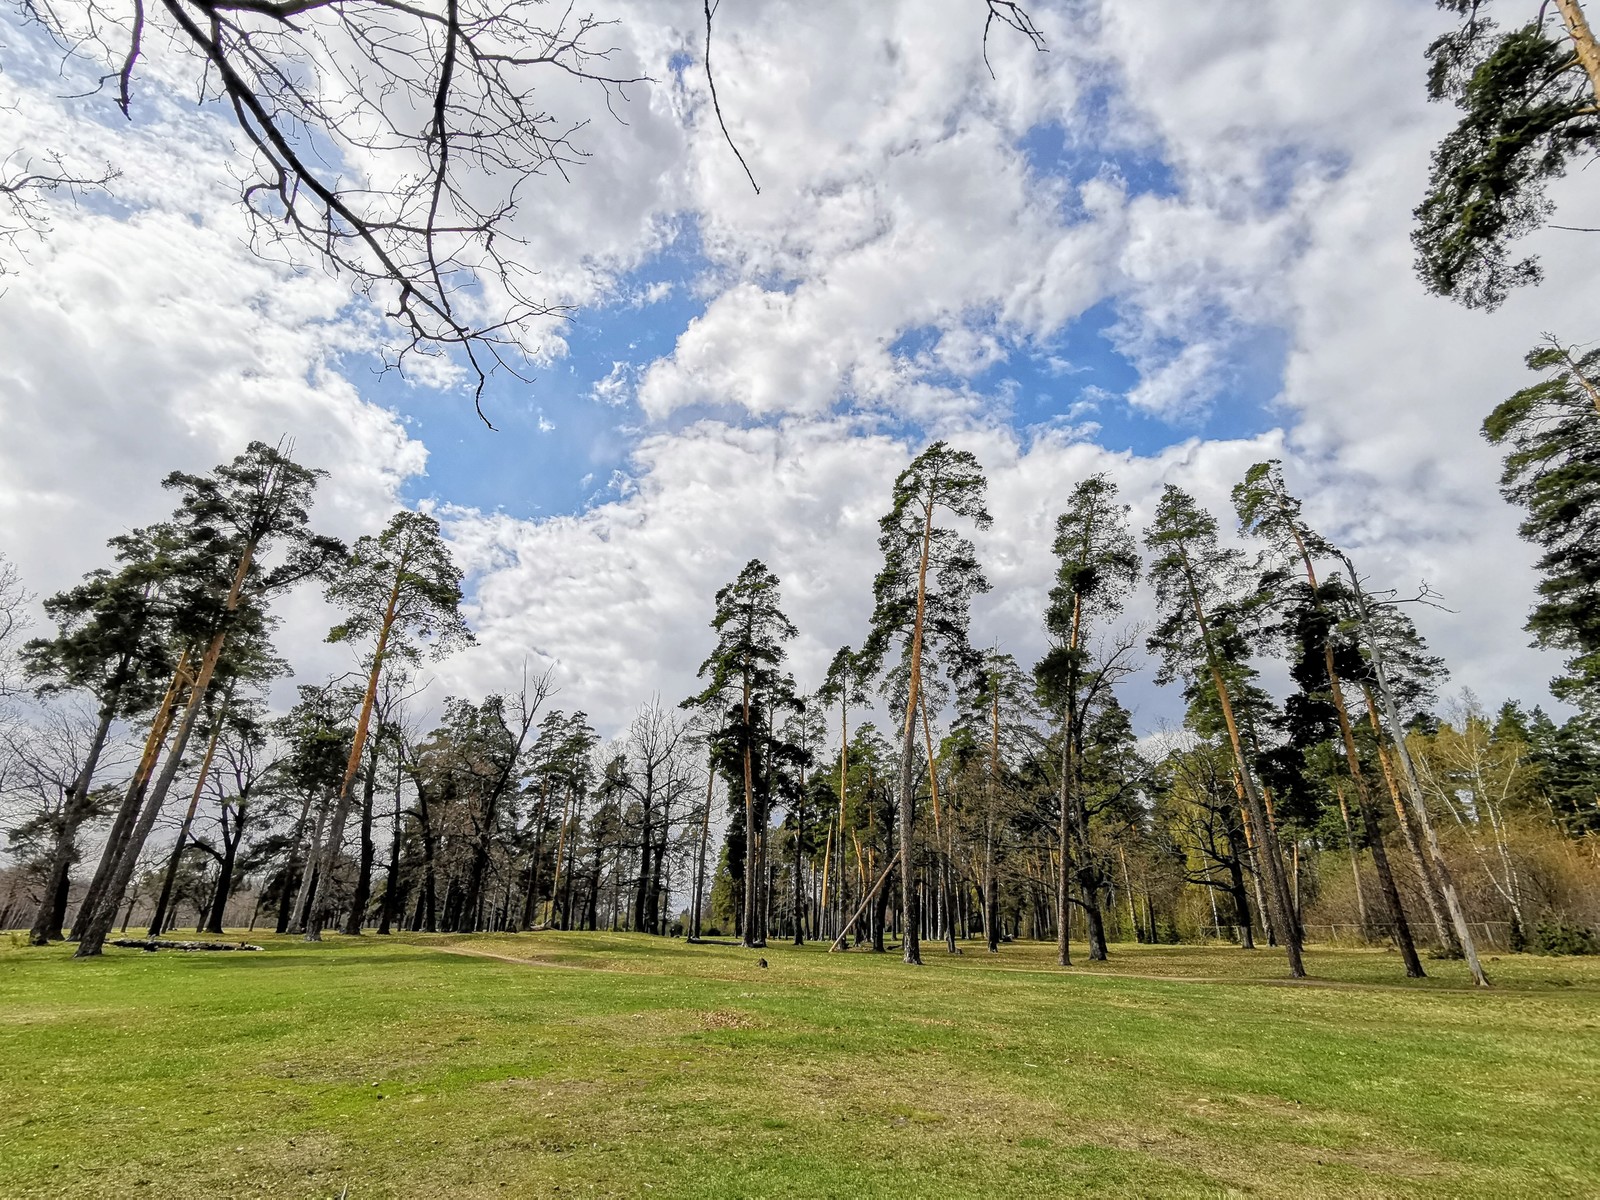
{"x": 391, "y": 138}
{"x": 1009, "y": 13}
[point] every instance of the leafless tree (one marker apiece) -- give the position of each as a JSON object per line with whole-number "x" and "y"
{"x": 14, "y": 622}
{"x": 393, "y": 139}
{"x": 26, "y": 186}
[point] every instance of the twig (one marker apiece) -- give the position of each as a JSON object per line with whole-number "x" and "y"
{"x": 716, "y": 104}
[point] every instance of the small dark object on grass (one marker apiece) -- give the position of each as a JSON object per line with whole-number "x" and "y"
{"x": 762, "y": 963}
{"x": 153, "y": 944}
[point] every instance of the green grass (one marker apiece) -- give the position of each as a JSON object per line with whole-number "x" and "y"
{"x": 386, "y": 1067}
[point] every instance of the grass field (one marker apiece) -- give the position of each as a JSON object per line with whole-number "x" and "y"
{"x": 613, "y": 1064}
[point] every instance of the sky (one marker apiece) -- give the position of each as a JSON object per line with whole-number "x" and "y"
{"x": 1171, "y": 245}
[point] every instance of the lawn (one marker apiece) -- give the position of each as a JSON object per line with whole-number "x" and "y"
{"x": 618, "y": 1065}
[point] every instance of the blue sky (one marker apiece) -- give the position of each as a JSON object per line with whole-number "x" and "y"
{"x": 1186, "y": 237}
{"x": 558, "y": 448}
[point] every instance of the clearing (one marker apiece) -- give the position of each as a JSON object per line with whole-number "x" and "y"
{"x": 382, "y": 1067}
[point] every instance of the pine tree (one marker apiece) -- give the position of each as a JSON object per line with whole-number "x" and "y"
{"x": 402, "y": 590}
{"x": 111, "y": 642}
{"x": 1195, "y": 579}
{"x": 228, "y": 518}
{"x": 1527, "y": 98}
{"x": 1269, "y": 512}
{"x": 1551, "y": 431}
{"x": 922, "y": 599}
{"x": 845, "y": 686}
{"x": 1097, "y": 566}
{"x": 746, "y": 665}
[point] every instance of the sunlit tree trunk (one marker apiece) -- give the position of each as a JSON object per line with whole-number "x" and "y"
{"x": 1458, "y": 916}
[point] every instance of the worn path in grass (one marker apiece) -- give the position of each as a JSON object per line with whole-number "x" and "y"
{"x": 381, "y": 1067}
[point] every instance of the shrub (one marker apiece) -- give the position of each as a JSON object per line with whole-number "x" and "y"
{"x": 1561, "y": 936}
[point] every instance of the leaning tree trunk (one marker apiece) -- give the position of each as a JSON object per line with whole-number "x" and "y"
{"x": 230, "y": 854}
{"x": 100, "y": 921}
{"x": 158, "y": 920}
{"x": 321, "y": 907}
{"x": 1355, "y": 865}
{"x": 1458, "y": 916}
{"x": 1270, "y": 857}
{"x": 1430, "y": 887}
{"x": 133, "y": 798}
{"x": 1400, "y": 928}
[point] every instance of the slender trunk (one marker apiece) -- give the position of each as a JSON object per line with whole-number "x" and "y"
{"x": 1270, "y": 858}
{"x": 363, "y": 893}
{"x": 749, "y": 936}
{"x": 160, "y": 726}
{"x": 1355, "y": 865}
{"x": 158, "y": 921}
{"x": 322, "y": 906}
{"x": 1430, "y": 886}
{"x": 100, "y": 922}
{"x": 700, "y": 859}
{"x": 291, "y": 867}
{"x": 231, "y": 837}
{"x": 1589, "y": 56}
{"x": 555, "y": 867}
{"x": 799, "y": 843}
{"x": 1399, "y": 927}
{"x": 943, "y": 867}
{"x": 389, "y": 909}
{"x": 530, "y": 905}
{"x": 911, "y": 950}
{"x": 1255, "y": 864}
{"x": 1241, "y": 902}
{"x": 127, "y": 913}
{"x": 308, "y": 877}
{"x": 1127, "y": 883}
{"x": 1068, "y": 792}
{"x": 1458, "y": 916}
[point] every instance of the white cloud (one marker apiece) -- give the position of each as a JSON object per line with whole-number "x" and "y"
{"x": 894, "y": 200}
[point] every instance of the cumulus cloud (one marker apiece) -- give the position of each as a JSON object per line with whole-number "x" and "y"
{"x": 906, "y": 246}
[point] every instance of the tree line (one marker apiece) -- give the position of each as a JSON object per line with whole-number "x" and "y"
{"x": 1000, "y": 800}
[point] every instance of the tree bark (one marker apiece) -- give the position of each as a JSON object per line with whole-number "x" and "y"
{"x": 230, "y": 853}
{"x": 321, "y": 907}
{"x": 100, "y": 922}
{"x": 158, "y": 920}
{"x": 1419, "y": 806}
{"x": 1588, "y": 56}
{"x": 1270, "y": 857}
{"x": 133, "y": 798}
{"x": 1355, "y": 865}
{"x": 363, "y": 893}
